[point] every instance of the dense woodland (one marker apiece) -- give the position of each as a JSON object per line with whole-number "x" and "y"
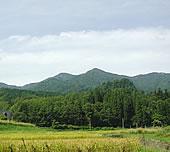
{"x": 112, "y": 104}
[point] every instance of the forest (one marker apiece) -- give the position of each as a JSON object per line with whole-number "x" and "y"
{"x": 112, "y": 104}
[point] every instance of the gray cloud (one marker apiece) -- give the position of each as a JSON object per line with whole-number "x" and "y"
{"x": 27, "y": 59}
{"x": 44, "y": 17}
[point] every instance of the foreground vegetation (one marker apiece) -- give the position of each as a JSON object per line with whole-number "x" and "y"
{"x": 20, "y": 137}
{"x": 113, "y": 104}
{"x": 86, "y": 121}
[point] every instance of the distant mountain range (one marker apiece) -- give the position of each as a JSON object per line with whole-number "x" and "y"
{"x": 65, "y": 82}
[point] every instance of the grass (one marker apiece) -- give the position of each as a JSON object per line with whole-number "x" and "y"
{"x": 21, "y": 137}
{"x": 161, "y": 134}
{"x": 95, "y": 144}
{"x": 4, "y": 122}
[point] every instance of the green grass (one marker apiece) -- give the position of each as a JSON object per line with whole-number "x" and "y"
{"x": 21, "y": 137}
{"x": 161, "y": 134}
{"x": 7, "y": 127}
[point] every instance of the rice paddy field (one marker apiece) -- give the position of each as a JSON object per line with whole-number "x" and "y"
{"x": 20, "y": 137}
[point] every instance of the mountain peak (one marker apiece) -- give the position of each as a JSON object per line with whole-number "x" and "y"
{"x": 95, "y": 70}
{"x": 64, "y": 76}
{"x": 65, "y": 82}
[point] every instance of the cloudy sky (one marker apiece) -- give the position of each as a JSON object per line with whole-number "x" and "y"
{"x": 41, "y": 38}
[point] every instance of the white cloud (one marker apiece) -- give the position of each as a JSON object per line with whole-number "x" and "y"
{"x": 25, "y": 59}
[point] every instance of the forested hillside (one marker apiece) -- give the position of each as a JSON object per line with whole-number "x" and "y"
{"x": 3, "y": 85}
{"x": 67, "y": 83}
{"x": 116, "y": 103}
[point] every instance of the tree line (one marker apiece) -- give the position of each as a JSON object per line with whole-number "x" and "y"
{"x": 112, "y": 104}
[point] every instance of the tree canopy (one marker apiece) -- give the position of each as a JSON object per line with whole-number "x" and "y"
{"x": 113, "y": 104}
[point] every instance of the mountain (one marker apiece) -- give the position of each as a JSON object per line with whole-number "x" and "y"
{"x": 65, "y": 82}
{"x": 152, "y": 81}
{"x": 3, "y": 85}
{"x": 64, "y": 76}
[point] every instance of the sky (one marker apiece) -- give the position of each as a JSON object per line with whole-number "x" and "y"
{"x": 42, "y": 38}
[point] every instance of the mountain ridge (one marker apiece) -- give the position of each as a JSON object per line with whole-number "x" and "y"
{"x": 66, "y": 82}
{"x": 4, "y": 85}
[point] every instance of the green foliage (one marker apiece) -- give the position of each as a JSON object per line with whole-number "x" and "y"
{"x": 4, "y": 106}
{"x": 112, "y": 104}
{"x": 11, "y": 95}
{"x": 2, "y": 117}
